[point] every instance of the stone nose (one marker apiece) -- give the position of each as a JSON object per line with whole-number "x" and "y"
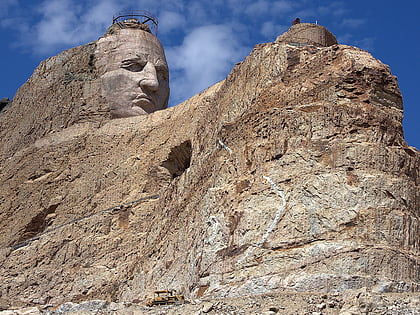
{"x": 149, "y": 78}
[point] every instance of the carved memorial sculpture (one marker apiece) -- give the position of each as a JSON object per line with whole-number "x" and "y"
{"x": 133, "y": 71}
{"x": 289, "y": 182}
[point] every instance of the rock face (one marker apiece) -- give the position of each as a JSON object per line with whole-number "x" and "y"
{"x": 62, "y": 91}
{"x": 292, "y": 174}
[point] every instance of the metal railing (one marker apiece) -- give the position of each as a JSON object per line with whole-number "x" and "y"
{"x": 141, "y": 16}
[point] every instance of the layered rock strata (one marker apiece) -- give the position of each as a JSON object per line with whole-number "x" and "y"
{"x": 292, "y": 174}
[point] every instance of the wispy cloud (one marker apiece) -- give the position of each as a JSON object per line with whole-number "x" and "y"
{"x": 314, "y": 13}
{"x": 334, "y": 8}
{"x": 266, "y": 8}
{"x": 205, "y": 57}
{"x": 271, "y": 30}
{"x": 258, "y": 8}
{"x": 5, "y": 5}
{"x": 366, "y": 43}
{"x": 65, "y": 23}
{"x": 203, "y": 39}
{"x": 169, "y": 21}
{"x": 353, "y": 23}
{"x": 57, "y": 25}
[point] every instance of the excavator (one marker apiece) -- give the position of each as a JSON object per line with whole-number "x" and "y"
{"x": 165, "y": 297}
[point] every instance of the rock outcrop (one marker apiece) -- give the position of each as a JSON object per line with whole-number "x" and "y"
{"x": 62, "y": 91}
{"x": 292, "y": 174}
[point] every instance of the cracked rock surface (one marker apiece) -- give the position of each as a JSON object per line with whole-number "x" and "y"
{"x": 291, "y": 175}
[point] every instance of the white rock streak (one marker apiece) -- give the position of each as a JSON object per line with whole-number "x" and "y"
{"x": 225, "y": 146}
{"x": 279, "y": 213}
{"x": 277, "y": 218}
{"x": 215, "y": 228}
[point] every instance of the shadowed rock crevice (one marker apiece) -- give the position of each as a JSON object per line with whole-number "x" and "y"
{"x": 4, "y": 102}
{"x": 37, "y": 225}
{"x": 179, "y": 159}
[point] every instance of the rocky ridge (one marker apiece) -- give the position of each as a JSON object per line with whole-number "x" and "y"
{"x": 291, "y": 175}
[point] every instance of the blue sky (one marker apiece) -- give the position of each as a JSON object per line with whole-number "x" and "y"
{"x": 204, "y": 39}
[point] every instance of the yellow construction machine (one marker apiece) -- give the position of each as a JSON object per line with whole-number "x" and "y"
{"x": 165, "y": 297}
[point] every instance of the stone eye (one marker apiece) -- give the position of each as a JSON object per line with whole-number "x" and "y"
{"x": 132, "y": 66}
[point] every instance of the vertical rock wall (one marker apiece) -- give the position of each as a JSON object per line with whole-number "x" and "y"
{"x": 290, "y": 175}
{"x": 62, "y": 91}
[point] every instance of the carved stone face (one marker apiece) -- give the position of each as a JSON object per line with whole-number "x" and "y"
{"x": 134, "y": 73}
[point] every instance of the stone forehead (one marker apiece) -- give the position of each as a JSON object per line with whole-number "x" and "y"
{"x": 127, "y": 43}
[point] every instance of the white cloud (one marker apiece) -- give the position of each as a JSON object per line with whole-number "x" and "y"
{"x": 336, "y": 9}
{"x": 66, "y": 23}
{"x": 270, "y": 30}
{"x": 153, "y": 6}
{"x": 310, "y": 14}
{"x": 353, "y": 23}
{"x": 206, "y": 56}
{"x": 366, "y": 43}
{"x": 169, "y": 20}
{"x": 283, "y": 6}
{"x": 263, "y": 8}
{"x": 237, "y": 6}
{"x": 57, "y": 25}
{"x": 257, "y": 8}
{"x": 197, "y": 13}
{"x": 344, "y": 39}
{"x": 100, "y": 14}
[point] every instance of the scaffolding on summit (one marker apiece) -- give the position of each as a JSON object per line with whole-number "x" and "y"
{"x": 136, "y": 19}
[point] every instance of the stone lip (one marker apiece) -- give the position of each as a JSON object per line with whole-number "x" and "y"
{"x": 308, "y": 34}
{"x": 134, "y": 77}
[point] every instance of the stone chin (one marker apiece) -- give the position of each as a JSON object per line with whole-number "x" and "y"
{"x": 123, "y": 112}
{"x": 134, "y": 73}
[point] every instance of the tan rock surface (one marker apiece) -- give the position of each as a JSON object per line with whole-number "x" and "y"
{"x": 62, "y": 91}
{"x": 290, "y": 175}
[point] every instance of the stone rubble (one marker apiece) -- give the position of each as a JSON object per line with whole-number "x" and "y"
{"x": 353, "y": 302}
